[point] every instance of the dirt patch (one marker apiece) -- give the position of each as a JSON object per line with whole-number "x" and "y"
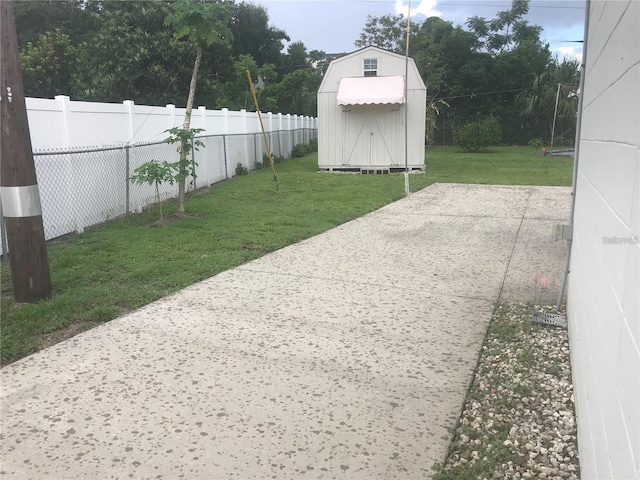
{"x": 169, "y": 219}
{"x": 51, "y": 338}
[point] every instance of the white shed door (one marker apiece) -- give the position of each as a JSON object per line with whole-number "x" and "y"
{"x": 372, "y": 136}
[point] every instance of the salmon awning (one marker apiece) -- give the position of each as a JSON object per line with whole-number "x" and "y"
{"x": 371, "y": 90}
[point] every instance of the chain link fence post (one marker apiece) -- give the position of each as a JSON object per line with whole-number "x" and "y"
{"x": 255, "y": 149}
{"x": 128, "y": 174}
{"x": 193, "y": 163}
{"x": 224, "y": 146}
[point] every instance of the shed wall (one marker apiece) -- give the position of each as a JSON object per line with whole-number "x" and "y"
{"x": 332, "y": 126}
{"x": 603, "y": 299}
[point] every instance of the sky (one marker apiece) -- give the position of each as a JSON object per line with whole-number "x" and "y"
{"x": 334, "y": 25}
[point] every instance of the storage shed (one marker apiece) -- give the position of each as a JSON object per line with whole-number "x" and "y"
{"x": 361, "y": 113}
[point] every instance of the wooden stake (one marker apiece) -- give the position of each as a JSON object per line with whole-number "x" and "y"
{"x": 18, "y": 185}
{"x": 264, "y": 134}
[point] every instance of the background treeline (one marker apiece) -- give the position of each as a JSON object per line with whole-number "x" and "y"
{"x": 108, "y": 51}
{"x": 492, "y": 68}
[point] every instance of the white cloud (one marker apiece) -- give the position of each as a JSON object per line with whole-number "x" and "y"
{"x": 418, "y": 7}
{"x": 570, "y": 52}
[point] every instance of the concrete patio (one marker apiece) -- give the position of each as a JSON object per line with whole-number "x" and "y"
{"x": 347, "y": 355}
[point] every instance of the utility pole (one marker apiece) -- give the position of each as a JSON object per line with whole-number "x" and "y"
{"x": 21, "y": 206}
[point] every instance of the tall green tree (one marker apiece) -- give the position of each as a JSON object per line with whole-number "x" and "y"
{"x": 132, "y": 55}
{"x": 296, "y": 57}
{"x": 46, "y": 64}
{"x": 75, "y": 18}
{"x": 202, "y": 24}
{"x": 388, "y": 32}
{"x": 253, "y": 34}
{"x": 507, "y": 30}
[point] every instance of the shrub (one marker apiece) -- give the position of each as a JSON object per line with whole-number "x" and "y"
{"x": 299, "y": 150}
{"x": 241, "y": 169}
{"x": 265, "y": 159}
{"x": 477, "y": 136}
{"x": 302, "y": 149}
{"x": 536, "y": 143}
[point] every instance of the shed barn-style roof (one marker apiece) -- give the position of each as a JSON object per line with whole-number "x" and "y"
{"x": 390, "y": 64}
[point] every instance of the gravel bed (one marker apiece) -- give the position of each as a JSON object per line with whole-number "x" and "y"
{"x": 518, "y": 418}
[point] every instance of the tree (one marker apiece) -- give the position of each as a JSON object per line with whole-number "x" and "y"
{"x": 296, "y": 57}
{"x": 296, "y": 93}
{"x": 131, "y": 55}
{"x": 75, "y": 18}
{"x": 319, "y": 60}
{"x": 559, "y": 82}
{"x": 234, "y": 94}
{"x": 154, "y": 173}
{"x": 507, "y": 30}
{"x": 202, "y": 24}
{"x": 46, "y": 64}
{"x": 388, "y": 32}
{"x": 252, "y": 34}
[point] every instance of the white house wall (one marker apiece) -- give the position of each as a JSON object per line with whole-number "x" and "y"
{"x": 331, "y": 124}
{"x": 604, "y": 298}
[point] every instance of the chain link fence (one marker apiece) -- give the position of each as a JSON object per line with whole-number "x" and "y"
{"x": 83, "y": 187}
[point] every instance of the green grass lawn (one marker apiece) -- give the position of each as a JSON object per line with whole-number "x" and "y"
{"x": 122, "y": 265}
{"x": 499, "y": 166}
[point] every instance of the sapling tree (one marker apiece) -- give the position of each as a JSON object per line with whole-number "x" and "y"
{"x": 202, "y": 23}
{"x": 154, "y": 173}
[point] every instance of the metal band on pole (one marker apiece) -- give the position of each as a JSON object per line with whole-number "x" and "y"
{"x": 20, "y": 202}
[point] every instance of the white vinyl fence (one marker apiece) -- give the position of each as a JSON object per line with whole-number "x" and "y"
{"x": 82, "y": 186}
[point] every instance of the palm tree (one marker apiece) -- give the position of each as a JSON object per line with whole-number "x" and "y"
{"x": 552, "y": 100}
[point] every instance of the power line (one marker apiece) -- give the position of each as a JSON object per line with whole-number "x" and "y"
{"x": 473, "y": 94}
{"x": 442, "y": 3}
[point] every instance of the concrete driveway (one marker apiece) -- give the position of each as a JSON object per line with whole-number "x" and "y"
{"x": 347, "y": 355}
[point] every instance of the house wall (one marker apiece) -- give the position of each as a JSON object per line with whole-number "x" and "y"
{"x": 603, "y": 297}
{"x": 331, "y": 121}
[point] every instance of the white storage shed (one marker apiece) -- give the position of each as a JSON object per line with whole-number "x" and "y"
{"x": 361, "y": 113}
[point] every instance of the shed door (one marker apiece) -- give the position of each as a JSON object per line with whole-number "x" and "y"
{"x": 372, "y": 136}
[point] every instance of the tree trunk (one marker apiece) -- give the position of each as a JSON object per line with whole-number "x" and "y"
{"x": 185, "y": 126}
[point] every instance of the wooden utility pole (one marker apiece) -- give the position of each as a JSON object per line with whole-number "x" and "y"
{"x": 21, "y": 206}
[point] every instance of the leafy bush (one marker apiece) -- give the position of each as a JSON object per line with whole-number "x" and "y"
{"x": 302, "y": 149}
{"x": 265, "y": 159}
{"x": 299, "y": 150}
{"x": 477, "y": 136}
{"x": 536, "y": 143}
{"x": 241, "y": 169}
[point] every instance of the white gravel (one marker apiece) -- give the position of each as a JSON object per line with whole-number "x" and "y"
{"x": 518, "y": 419}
